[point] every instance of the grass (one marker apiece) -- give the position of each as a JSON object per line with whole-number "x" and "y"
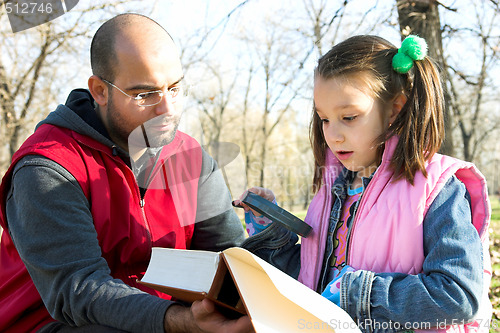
{"x": 495, "y": 261}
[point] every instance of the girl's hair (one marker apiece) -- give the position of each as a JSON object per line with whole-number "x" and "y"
{"x": 419, "y": 125}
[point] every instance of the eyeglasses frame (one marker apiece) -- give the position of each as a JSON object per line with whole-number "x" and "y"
{"x": 138, "y": 98}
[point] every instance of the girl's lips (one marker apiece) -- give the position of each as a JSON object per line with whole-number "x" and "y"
{"x": 343, "y": 155}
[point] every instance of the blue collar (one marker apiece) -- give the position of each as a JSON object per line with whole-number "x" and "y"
{"x": 352, "y": 192}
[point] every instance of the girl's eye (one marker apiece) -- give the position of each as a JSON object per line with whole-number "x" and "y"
{"x": 350, "y": 118}
{"x": 323, "y": 121}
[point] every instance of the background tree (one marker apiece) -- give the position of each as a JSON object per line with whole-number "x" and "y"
{"x": 213, "y": 98}
{"x": 473, "y": 85}
{"x": 274, "y": 87}
{"x": 36, "y": 65}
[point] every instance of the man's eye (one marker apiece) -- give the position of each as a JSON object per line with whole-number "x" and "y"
{"x": 146, "y": 95}
{"x": 174, "y": 91}
{"x": 141, "y": 96}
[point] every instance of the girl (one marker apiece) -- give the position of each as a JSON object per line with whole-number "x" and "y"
{"x": 400, "y": 232}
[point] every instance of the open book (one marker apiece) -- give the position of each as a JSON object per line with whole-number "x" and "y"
{"x": 240, "y": 282}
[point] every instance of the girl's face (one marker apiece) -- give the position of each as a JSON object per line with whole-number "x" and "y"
{"x": 352, "y": 119}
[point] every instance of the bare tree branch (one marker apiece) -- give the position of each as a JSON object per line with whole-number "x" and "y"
{"x": 28, "y": 75}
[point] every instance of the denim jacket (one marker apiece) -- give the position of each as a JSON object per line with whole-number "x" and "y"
{"x": 388, "y": 302}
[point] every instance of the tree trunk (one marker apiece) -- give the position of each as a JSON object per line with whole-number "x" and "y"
{"x": 421, "y": 17}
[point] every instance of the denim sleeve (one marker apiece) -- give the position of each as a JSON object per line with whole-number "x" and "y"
{"x": 278, "y": 246}
{"x": 449, "y": 289}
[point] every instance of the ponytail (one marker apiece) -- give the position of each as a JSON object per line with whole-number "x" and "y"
{"x": 420, "y": 123}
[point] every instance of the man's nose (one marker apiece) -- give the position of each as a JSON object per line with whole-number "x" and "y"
{"x": 166, "y": 105}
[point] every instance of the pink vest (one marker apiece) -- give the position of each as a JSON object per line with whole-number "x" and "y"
{"x": 379, "y": 241}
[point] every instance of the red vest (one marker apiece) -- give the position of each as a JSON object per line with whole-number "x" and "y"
{"x": 127, "y": 229}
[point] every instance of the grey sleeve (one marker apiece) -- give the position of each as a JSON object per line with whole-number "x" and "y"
{"x": 51, "y": 225}
{"x": 217, "y": 225}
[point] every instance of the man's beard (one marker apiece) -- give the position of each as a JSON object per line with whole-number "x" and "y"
{"x": 147, "y": 135}
{"x": 154, "y": 135}
{"x": 146, "y": 142}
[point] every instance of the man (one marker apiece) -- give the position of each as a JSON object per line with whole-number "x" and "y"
{"x": 84, "y": 202}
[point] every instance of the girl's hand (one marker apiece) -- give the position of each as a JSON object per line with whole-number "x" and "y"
{"x": 332, "y": 290}
{"x": 263, "y": 192}
{"x": 255, "y": 222}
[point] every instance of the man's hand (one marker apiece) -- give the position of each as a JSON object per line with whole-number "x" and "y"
{"x": 210, "y": 320}
{"x": 202, "y": 317}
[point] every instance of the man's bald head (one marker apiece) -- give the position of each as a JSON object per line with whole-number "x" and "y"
{"x": 103, "y": 54}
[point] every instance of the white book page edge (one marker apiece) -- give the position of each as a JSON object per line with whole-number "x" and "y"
{"x": 184, "y": 269}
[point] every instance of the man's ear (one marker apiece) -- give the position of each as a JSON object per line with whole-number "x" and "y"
{"x": 98, "y": 89}
{"x": 397, "y": 105}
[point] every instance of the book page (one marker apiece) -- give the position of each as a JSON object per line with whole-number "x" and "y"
{"x": 184, "y": 269}
{"x": 278, "y": 303}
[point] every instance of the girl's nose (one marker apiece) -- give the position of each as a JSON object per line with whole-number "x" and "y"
{"x": 333, "y": 132}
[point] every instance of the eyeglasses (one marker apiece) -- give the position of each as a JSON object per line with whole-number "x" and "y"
{"x": 151, "y": 98}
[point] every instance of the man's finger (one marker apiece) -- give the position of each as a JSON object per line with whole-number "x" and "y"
{"x": 202, "y": 308}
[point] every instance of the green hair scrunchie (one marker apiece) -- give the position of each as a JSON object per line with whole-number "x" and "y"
{"x": 413, "y": 48}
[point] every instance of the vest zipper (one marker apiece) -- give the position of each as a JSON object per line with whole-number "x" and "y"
{"x": 142, "y": 201}
{"x": 147, "y": 227}
{"x": 360, "y": 205}
{"x": 351, "y": 228}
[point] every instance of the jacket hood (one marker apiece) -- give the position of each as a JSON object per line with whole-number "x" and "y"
{"x": 78, "y": 114}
